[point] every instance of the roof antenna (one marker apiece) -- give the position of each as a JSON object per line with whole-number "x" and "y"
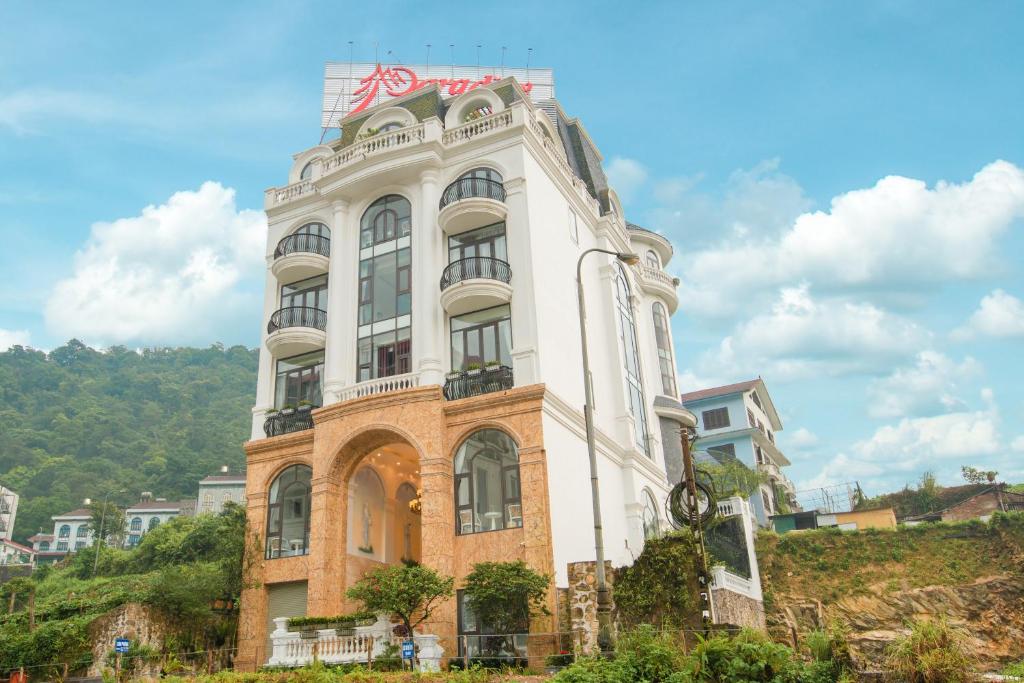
{"x": 503, "y": 48}
{"x": 428, "y": 60}
{"x": 376, "y": 53}
{"x": 451, "y": 47}
{"x": 478, "y": 60}
{"x": 529, "y": 54}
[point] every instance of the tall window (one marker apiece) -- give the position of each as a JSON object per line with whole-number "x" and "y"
{"x": 136, "y": 524}
{"x": 665, "y": 362}
{"x": 627, "y": 337}
{"x": 65, "y": 531}
{"x": 385, "y": 289}
{"x": 488, "y": 242}
{"x": 62, "y": 545}
{"x": 44, "y": 545}
{"x": 652, "y": 523}
{"x": 482, "y": 338}
{"x": 487, "y": 495}
{"x": 288, "y": 513}
{"x": 299, "y": 379}
{"x": 83, "y": 531}
{"x": 715, "y": 418}
{"x": 652, "y": 259}
{"x": 154, "y": 522}
{"x": 311, "y": 293}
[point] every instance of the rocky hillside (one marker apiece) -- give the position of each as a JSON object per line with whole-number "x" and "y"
{"x": 875, "y": 581}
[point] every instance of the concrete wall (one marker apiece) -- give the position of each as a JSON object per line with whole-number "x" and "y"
{"x": 868, "y": 519}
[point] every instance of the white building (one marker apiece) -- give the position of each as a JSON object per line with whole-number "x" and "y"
{"x": 12, "y": 553}
{"x": 71, "y": 531}
{"x": 421, "y": 288}
{"x": 740, "y": 420}
{"x": 148, "y": 514}
{"x": 218, "y": 489}
{"x": 8, "y": 512}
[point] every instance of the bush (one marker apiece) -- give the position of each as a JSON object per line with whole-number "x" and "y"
{"x": 658, "y": 588}
{"x": 933, "y": 652}
{"x": 1015, "y": 672}
{"x": 649, "y": 655}
{"x": 749, "y": 657}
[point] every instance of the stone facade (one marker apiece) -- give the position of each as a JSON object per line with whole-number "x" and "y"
{"x": 582, "y": 601}
{"x": 984, "y": 505}
{"x": 737, "y": 610}
{"x": 346, "y": 433}
{"x": 139, "y": 623}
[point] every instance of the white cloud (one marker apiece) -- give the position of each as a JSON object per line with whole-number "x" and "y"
{"x": 916, "y": 441}
{"x": 1018, "y": 444}
{"x": 626, "y": 176}
{"x": 930, "y": 386}
{"x": 21, "y": 110}
{"x": 999, "y": 315}
{"x": 802, "y": 337}
{"x": 895, "y": 235}
{"x": 802, "y": 439}
{"x": 169, "y": 275}
{"x": 9, "y": 338}
{"x": 840, "y": 470}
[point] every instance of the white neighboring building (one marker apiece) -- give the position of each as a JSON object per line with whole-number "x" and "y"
{"x": 218, "y": 489}
{"x": 8, "y": 512}
{"x": 12, "y": 553}
{"x": 147, "y": 515}
{"x": 71, "y": 531}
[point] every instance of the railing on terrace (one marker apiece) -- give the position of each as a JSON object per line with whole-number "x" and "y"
{"x": 475, "y": 267}
{"x": 380, "y": 385}
{"x": 303, "y": 243}
{"x": 465, "y": 188}
{"x": 723, "y": 578}
{"x": 297, "y": 316}
{"x": 477, "y": 127}
{"x": 287, "y": 421}
{"x": 466, "y": 383}
{"x": 289, "y": 192}
{"x": 371, "y": 146}
{"x": 657, "y": 275}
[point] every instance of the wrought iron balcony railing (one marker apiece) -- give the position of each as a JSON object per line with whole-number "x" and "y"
{"x": 313, "y": 244}
{"x": 287, "y": 421}
{"x": 473, "y": 268}
{"x": 465, "y": 188}
{"x": 297, "y": 316}
{"x": 466, "y": 383}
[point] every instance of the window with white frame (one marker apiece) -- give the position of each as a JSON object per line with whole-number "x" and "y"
{"x": 651, "y": 520}
{"x": 631, "y": 361}
{"x": 652, "y": 260}
{"x": 665, "y": 361}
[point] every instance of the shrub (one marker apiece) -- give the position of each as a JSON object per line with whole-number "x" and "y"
{"x": 659, "y": 587}
{"x": 749, "y": 657}
{"x": 506, "y": 594}
{"x": 1015, "y": 672}
{"x": 933, "y": 652}
{"x": 410, "y": 593}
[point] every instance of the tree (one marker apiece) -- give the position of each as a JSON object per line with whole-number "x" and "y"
{"x": 108, "y": 520}
{"x": 732, "y": 478}
{"x": 975, "y": 476}
{"x": 660, "y": 587}
{"x": 411, "y": 593}
{"x": 505, "y": 595}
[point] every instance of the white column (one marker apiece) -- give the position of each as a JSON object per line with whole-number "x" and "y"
{"x": 342, "y": 285}
{"x": 427, "y": 315}
{"x": 525, "y": 363}
{"x": 265, "y": 375}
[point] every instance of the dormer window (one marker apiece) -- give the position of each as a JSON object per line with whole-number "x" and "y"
{"x": 388, "y": 127}
{"x": 652, "y": 260}
{"x": 307, "y": 172}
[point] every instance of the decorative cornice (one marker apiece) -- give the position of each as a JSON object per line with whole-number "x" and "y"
{"x": 375, "y": 402}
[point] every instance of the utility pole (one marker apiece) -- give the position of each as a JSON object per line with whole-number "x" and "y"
{"x": 707, "y": 613}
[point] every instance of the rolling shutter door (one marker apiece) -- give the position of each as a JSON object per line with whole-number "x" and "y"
{"x": 283, "y": 600}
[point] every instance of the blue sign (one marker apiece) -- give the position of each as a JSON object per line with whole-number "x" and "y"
{"x": 408, "y": 649}
{"x": 121, "y": 645}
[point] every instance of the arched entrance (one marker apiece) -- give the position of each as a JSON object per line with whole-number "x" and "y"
{"x": 383, "y": 512}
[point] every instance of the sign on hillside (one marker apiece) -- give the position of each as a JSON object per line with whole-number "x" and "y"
{"x": 351, "y": 87}
{"x": 122, "y": 645}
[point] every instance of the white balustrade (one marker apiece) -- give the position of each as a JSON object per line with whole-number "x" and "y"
{"x": 477, "y": 127}
{"x": 373, "y": 145}
{"x": 290, "y": 649}
{"x": 275, "y": 196}
{"x": 381, "y": 385}
{"x": 724, "y": 579}
{"x": 656, "y": 275}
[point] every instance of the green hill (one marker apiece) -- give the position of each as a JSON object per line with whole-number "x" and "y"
{"x": 77, "y": 423}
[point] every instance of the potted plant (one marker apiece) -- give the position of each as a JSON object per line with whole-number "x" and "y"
{"x": 473, "y": 369}
{"x": 288, "y": 409}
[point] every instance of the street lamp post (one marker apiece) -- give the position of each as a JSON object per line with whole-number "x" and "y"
{"x": 99, "y": 536}
{"x": 604, "y": 611}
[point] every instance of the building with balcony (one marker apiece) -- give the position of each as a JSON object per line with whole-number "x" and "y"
{"x": 740, "y": 421}
{"x": 8, "y": 512}
{"x": 148, "y": 514}
{"x": 71, "y": 531}
{"x": 420, "y": 394}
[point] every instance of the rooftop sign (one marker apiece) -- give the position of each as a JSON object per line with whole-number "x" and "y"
{"x": 351, "y": 87}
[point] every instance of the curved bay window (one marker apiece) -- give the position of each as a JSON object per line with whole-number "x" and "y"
{"x": 288, "y": 513}
{"x": 487, "y": 493}
{"x": 665, "y": 362}
{"x": 299, "y": 381}
{"x": 385, "y": 289}
{"x": 651, "y": 521}
{"x": 631, "y": 361}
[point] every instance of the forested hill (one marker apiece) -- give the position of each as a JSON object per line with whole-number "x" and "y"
{"x": 77, "y": 423}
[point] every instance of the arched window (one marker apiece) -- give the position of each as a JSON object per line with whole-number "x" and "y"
{"x": 665, "y": 362}
{"x": 487, "y": 495}
{"x": 44, "y": 545}
{"x": 652, "y": 524}
{"x": 307, "y": 172}
{"x": 385, "y": 289}
{"x": 154, "y": 522}
{"x": 480, "y": 182}
{"x": 390, "y": 126}
{"x": 477, "y": 110}
{"x": 136, "y": 524}
{"x": 288, "y": 513}
{"x": 631, "y": 361}
{"x": 652, "y": 260}
{"x": 65, "y": 531}
{"x": 83, "y": 531}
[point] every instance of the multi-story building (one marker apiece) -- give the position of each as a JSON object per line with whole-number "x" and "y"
{"x": 148, "y": 514}
{"x": 420, "y": 389}
{"x": 44, "y": 547}
{"x": 8, "y": 512}
{"x": 72, "y": 531}
{"x": 740, "y": 420}
{"x": 218, "y": 489}
{"x": 12, "y": 553}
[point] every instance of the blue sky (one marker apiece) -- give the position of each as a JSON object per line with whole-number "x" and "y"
{"x": 842, "y": 182}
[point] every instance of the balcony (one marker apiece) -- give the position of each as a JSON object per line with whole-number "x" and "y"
{"x": 659, "y": 283}
{"x": 301, "y": 256}
{"x": 471, "y": 203}
{"x": 296, "y": 329}
{"x": 466, "y": 383}
{"x": 288, "y": 421}
{"x": 475, "y": 283}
